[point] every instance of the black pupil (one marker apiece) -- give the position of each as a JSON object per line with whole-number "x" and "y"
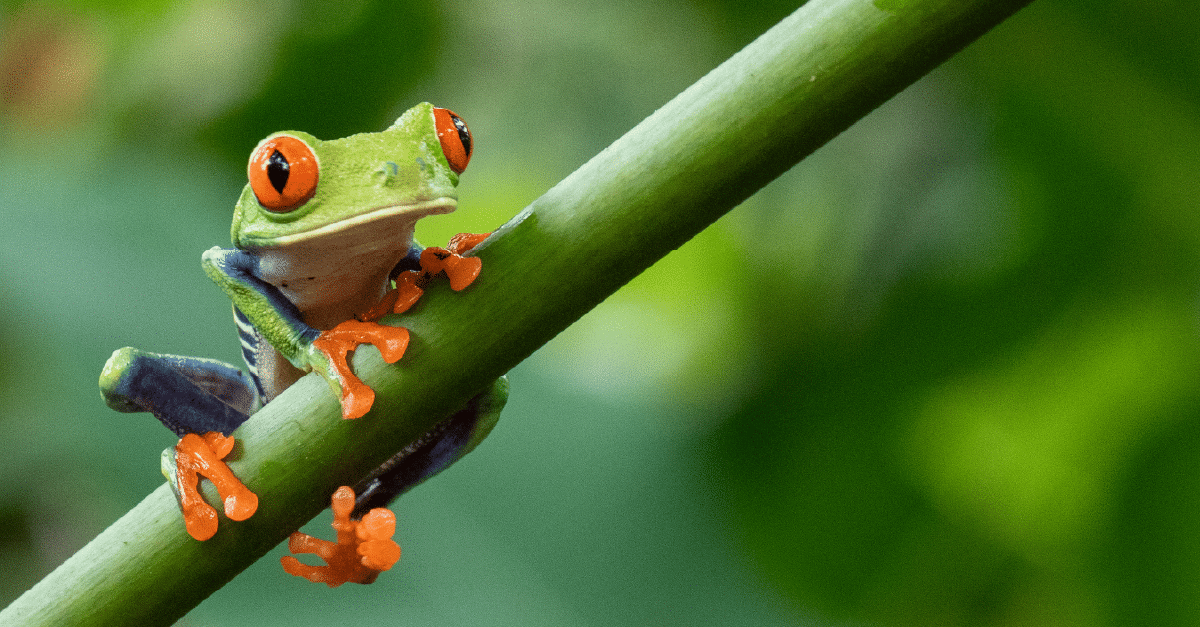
{"x": 463, "y": 135}
{"x": 277, "y": 170}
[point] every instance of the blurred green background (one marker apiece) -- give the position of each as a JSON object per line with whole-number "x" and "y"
{"x": 943, "y": 372}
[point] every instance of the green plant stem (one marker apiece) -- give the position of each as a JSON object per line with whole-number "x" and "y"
{"x": 801, "y": 83}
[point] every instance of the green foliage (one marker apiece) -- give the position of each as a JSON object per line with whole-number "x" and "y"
{"x": 353, "y": 57}
{"x": 941, "y": 373}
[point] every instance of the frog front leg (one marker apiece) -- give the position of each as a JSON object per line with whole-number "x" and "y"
{"x": 202, "y": 401}
{"x": 430, "y": 262}
{"x": 308, "y": 349}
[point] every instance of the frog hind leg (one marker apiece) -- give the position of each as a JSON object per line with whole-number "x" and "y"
{"x": 202, "y": 401}
{"x": 187, "y": 394}
{"x": 433, "y": 452}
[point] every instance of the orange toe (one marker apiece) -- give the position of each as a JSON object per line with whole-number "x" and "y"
{"x": 463, "y": 242}
{"x": 462, "y": 271}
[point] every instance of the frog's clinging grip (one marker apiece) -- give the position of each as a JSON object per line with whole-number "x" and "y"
{"x": 319, "y": 234}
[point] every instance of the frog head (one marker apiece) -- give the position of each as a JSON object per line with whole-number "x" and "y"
{"x": 352, "y": 190}
{"x": 329, "y": 220}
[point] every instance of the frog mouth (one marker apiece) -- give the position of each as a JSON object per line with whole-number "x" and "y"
{"x": 399, "y": 215}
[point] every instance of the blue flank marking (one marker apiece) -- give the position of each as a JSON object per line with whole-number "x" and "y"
{"x": 249, "y": 338}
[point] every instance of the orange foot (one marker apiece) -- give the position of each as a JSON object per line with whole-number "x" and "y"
{"x": 464, "y": 242}
{"x": 201, "y": 455}
{"x": 399, "y": 299}
{"x": 460, "y": 270}
{"x": 336, "y": 344}
{"x": 364, "y": 547}
{"x": 410, "y": 285}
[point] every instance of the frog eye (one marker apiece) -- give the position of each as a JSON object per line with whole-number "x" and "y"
{"x": 283, "y": 173}
{"x": 455, "y": 138}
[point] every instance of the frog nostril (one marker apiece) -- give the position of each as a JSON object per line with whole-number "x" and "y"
{"x": 388, "y": 170}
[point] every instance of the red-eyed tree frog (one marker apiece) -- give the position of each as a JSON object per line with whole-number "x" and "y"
{"x": 323, "y": 248}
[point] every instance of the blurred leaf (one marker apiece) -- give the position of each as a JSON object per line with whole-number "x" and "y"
{"x": 985, "y": 422}
{"x": 341, "y": 70}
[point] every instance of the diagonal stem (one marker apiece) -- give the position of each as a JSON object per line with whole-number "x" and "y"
{"x": 794, "y": 88}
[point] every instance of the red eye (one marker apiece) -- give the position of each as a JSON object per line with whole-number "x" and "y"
{"x": 283, "y": 173}
{"x": 455, "y": 138}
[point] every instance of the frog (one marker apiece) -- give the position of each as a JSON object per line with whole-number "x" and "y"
{"x": 323, "y": 248}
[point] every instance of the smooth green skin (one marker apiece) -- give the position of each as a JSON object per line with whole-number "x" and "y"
{"x": 340, "y": 246}
{"x": 372, "y": 189}
{"x": 808, "y": 78}
{"x": 314, "y": 266}
{"x": 400, "y": 166}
